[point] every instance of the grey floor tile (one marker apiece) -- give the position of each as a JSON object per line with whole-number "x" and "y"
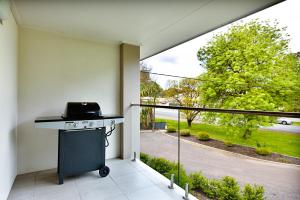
{"x": 149, "y": 193}
{"x": 17, "y": 195}
{"x": 132, "y": 182}
{"x": 95, "y": 185}
{"x": 127, "y": 181}
{"x": 22, "y": 189}
{"x": 117, "y": 197}
{"x": 101, "y": 193}
{"x": 121, "y": 170}
{"x": 89, "y": 177}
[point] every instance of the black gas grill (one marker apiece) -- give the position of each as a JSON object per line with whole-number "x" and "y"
{"x": 82, "y": 138}
{"x": 82, "y": 110}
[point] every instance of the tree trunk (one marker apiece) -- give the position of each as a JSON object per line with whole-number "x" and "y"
{"x": 153, "y": 120}
{"x": 189, "y": 121}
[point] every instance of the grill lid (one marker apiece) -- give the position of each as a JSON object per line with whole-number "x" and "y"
{"x": 82, "y": 110}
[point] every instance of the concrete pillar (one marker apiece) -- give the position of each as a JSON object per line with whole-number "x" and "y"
{"x": 130, "y": 93}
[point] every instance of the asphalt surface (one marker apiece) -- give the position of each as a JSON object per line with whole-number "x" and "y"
{"x": 281, "y": 181}
{"x": 285, "y": 128}
{"x": 172, "y": 114}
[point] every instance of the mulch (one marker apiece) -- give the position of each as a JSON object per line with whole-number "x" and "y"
{"x": 199, "y": 195}
{"x": 248, "y": 151}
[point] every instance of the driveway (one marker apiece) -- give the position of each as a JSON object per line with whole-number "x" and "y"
{"x": 285, "y": 128}
{"x": 281, "y": 181}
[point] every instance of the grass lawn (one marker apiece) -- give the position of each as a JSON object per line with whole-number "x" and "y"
{"x": 280, "y": 142}
{"x": 296, "y": 123}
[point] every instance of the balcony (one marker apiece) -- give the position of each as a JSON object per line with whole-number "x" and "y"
{"x": 128, "y": 180}
{"x": 56, "y": 52}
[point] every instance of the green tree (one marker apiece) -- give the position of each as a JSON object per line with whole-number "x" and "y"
{"x": 185, "y": 93}
{"x": 249, "y": 67}
{"x": 151, "y": 90}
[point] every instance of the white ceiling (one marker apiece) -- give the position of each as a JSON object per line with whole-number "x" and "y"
{"x": 155, "y": 25}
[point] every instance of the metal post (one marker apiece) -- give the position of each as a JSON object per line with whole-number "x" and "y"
{"x": 186, "y": 195}
{"x": 134, "y": 157}
{"x": 171, "y": 186}
{"x": 153, "y": 120}
{"x": 178, "y": 179}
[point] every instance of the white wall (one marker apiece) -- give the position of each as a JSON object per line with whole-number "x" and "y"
{"x": 8, "y": 104}
{"x": 52, "y": 71}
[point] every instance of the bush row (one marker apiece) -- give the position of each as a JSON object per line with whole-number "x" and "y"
{"x": 186, "y": 132}
{"x": 204, "y": 136}
{"x": 226, "y": 188}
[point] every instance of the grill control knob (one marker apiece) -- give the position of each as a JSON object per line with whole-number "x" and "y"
{"x": 75, "y": 124}
{"x": 91, "y": 124}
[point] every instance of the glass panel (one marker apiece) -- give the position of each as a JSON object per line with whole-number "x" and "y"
{"x": 159, "y": 149}
{"x": 231, "y": 150}
{"x": 224, "y": 152}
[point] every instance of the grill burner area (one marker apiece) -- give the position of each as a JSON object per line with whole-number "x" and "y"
{"x": 82, "y": 138}
{"x": 82, "y": 110}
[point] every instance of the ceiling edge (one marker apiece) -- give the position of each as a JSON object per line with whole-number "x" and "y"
{"x": 216, "y": 27}
{"x": 15, "y": 12}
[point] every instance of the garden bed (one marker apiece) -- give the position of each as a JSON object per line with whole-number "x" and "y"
{"x": 248, "y": 151}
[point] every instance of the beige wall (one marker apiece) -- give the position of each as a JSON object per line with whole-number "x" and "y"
{"x": 8, "y": 104}
{"x": 130, "y": 93}
{"x": 52, "y": 71}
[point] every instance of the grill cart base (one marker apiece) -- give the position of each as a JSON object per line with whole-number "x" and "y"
{"x": 81, "y": 151}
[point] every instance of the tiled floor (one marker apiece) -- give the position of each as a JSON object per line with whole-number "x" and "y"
{"x": 127, "y": 181}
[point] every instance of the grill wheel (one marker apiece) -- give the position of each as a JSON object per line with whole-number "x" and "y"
{"x": 104, "y": 171}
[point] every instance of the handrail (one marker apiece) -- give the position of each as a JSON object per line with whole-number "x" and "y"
{"x": 219, "y": 110}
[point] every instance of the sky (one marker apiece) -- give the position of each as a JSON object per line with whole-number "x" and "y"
{"x": 182, "y": 60}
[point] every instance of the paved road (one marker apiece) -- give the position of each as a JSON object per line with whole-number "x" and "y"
{"x": 172, "y": 114}
{"x": 281, "y": 181}
{"x": 287, "y": 128}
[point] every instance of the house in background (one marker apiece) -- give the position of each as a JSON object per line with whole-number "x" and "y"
{"x": 53, "y": 52}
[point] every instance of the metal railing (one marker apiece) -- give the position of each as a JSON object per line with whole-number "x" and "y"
{"x": 232, "y": 111}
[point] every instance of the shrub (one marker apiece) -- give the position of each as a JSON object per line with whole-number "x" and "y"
{"x": 171, "y": 129}
{"x": 182, "y": 174}
{"x": 198, "y": 181}
{"x": 258, "y": 144}
{"x": 162, "y": 165}
{"x": 185, "y": 132}
{"x": 212, "y": 190}
{"x": 228, "y": 189}
{"x": 203, "y": 136}
{"x": 253, "y": 193}
{"x": 201, "y": 183}
{"x": 263, "y": 151}
{"x": 228, "y": 143}
{"x": 145, "y": 158}
{"x": 225, "y": 189}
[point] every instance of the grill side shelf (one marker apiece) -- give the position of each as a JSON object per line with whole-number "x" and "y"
{"x": 64, "y": 124}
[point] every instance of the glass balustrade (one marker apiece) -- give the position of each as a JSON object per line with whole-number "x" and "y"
{"x": 219, "y": 152}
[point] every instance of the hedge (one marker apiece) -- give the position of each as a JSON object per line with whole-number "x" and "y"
{"x": 226, "y": 188}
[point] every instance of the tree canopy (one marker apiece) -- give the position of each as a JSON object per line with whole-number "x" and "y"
{"x": 148, "y": 88}
{"x": 250, "y": 67}
{"x": 185, "y": 93}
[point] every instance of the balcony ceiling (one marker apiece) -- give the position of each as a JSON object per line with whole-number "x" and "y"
{"x": 154, "y": 25}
